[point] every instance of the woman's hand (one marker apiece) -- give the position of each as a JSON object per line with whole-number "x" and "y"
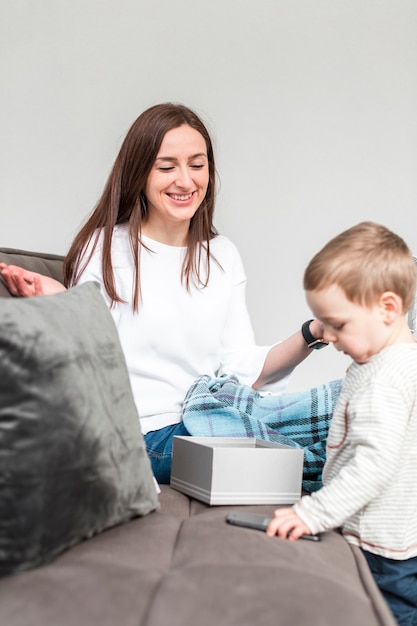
{"x": 317, "y": 329}
{"x": 287, "y": 524}
{"x": 23, "y": 283}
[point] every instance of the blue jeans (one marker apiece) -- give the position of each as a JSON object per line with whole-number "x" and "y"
{"x": 159, "y": 447}
{"x": 397, "y": 581}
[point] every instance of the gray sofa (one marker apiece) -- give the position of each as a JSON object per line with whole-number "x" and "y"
{"x": 183, "y": 565}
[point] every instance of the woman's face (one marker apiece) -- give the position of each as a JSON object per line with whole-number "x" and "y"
{"x": 179, "y": 178}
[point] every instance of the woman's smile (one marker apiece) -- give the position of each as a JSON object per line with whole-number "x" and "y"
{"x": 181, "y": 198}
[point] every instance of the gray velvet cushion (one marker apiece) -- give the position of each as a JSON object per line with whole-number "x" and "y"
{"x": 72, "y": 457}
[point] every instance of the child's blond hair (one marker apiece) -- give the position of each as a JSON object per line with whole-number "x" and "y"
{"x": 365, "y": 261}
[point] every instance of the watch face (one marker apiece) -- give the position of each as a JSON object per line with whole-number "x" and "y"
{"x": 318, "y": 344}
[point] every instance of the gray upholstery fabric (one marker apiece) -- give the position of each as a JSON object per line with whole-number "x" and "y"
{"x": 175, "y": 568}
{"x": 72, "y": 457}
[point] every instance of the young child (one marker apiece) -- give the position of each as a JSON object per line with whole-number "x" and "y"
{"x": 360, "y": 286}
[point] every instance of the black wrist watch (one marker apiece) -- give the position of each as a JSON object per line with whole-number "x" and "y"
{"x": 311, "y": 341}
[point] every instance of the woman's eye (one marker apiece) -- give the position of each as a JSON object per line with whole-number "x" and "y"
{"x": 197, "y": 166}
{"x": 168, "y": 168}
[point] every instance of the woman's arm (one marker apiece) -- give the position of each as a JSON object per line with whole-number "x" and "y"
{"x": 285, "y": 356}
{"x": 23, "y": 283}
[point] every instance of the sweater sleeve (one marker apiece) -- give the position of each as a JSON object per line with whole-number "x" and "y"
{"x": 93, "y": 272}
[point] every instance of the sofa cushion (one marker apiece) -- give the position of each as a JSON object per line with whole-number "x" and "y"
{"x": 72, "y": 457}
{"x": 181, "y": 571}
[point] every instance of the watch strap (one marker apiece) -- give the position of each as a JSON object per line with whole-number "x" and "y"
{"x": 312, "y": 341}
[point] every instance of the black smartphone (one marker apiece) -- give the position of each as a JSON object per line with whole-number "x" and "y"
{"x": 258, "y": 522}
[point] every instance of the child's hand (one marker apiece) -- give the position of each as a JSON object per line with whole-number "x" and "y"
{"x": 287, "y": 524}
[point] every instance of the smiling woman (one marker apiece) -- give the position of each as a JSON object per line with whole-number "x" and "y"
{"x": 139, "y": 193}
{"x": 176, "y": 289}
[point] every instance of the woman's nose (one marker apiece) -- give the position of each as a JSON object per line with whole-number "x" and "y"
{"x": 183, "y": 178}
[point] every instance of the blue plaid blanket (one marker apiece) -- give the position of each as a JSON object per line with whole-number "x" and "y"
{"x": 222, "y": 407}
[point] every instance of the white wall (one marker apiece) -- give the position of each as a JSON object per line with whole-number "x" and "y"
{"x": 312, "y": 106}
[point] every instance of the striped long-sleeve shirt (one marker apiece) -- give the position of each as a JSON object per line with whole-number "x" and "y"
{"x": 370, "y": 475}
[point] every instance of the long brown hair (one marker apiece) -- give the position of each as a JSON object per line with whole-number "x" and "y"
{"x": 124, "y": 202}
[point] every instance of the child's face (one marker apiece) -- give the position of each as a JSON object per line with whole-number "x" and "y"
{"x": 355, "y": 329}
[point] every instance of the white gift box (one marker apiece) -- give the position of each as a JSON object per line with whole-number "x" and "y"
{"x": 224, "y": 470}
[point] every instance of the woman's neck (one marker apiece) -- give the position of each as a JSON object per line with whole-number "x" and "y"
{"x": 167, "y": 234}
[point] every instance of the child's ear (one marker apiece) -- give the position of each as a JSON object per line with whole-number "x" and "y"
{"x": 391, "y": 305}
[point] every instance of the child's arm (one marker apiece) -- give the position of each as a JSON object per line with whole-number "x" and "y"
{"x": 367, "y": 451}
